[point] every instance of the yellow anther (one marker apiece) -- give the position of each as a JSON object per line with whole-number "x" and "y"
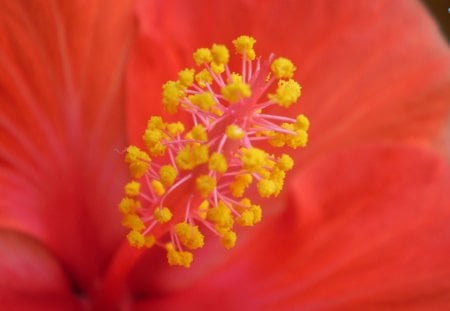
{"x": 189, "y": 235}
{"x": 133, "y": 222}
{"x": 245, "y": 202}
{"x": 266, "y": 187}
{"x": 175, "y": 128}
{"x": 178, "y": 258}
{"x": 257, "y": 213}
{"x": 287, "y": 93}
{"x": 136, "y": 239}
{"x": 236, "y": 89}
{"x": 239, "y": 184}
{"x": 246, "y": 219}
{"x": 156, "y": 122}
{"x": 275, "y": 139}
{"x": 234, "y": 132}
{"x": 228, "y": 239}
{"x": 285, "y": 162}
{"x": 302, "y": 122}
{"x": 217, "y": 68}
{"x": 202, "y": 56}
{"x": 132, "y": 188}
{"x": 152, "y": 139}
{"x": 185, "y": 159}
{"x": 172, "y": 93}
{"x": 138, "y": 161}
{"x": 203, "y": 78}
{"x": 244, "y": 46}
{"x": 220, "y": 54}
{"x": 200, "y": 153}
{"x": 216, "y": 110}
{"x": 205, "y": 185}
{"x": 162, "y": 215}
{"x": 167, "y": 175}
{"x": 198, "y": 132}
{"x": 203, "y": 209}
{"x": 191, "y": 156}
{"x": 277, "y": 176}
{"x": 298, "y": 140}
{"x": 220, "y": 216}
{"x": 186, "y": 77}
{"x": 150, "y": 240}
{"x": 218, "y": 163}
{"x": 204, "y": 101}
{"x": 158, "y": 187}
{"x": 253, "y": 158}
{"x": 129, "y": 206}
{"x": 282, "y": 68}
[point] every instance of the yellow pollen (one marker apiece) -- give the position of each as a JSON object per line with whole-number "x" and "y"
{"x": 218, "y": 163}
{"x": 244, "y": 46}
{"x": 129, "y": 206}
{"x": 285, "y": 163}
{"x": 158, "y": 187}
{"x": 198, "y": 132}
{"x": 234, "y": 132}
{"x": 136, "y": 239}
{"x": 189, "y": 235}
{"x": 204, "y": 101}
{"x": 205, "y": 184}
{"x": 266, "y": 188}
{"x": 282, "y": 68}
{"x": 236, "y": 89}
{"x": 220, "y": 54}
{"x": 240, "y": 183}
{"x": 228, "y": 239}
{"x": 132, "y": 188}
{"x": 202, "y": 56}
{"x": 138, "y": 161}
{"x": 220, "y": 216}
{"x": 253, "y": 158}
{"x": 175, "y": 128}
{"x": 172, "y": 93}
{"x": 203, "y": 209}
{"x": 287, "y": 93}
{"x": 156, "y": 122}
{"x": 203, "y": 78}
{"x": 191, "y": 156}
{"x": 178, "y": 258}
{"x": 302, "y": 122}
{"x": 162, "y": 215}
{"x": 186, "y": 77}
{"x": 167, "y": 174}
{"x": 133, "y": 222}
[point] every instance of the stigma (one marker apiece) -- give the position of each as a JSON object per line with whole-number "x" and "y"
{"x": 195, "y": 176}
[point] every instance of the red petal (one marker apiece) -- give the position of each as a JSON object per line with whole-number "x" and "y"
{"x": 370, "y": 71}
{"x": 31, "y": 277}
{"x": 61, "y": 123}
{"x": 364, "y": 228}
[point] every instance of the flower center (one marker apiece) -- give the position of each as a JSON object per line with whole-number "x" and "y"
{"x": 195, "y": 178}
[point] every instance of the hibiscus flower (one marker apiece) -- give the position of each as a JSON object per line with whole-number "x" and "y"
{"x": 361, "y": 224}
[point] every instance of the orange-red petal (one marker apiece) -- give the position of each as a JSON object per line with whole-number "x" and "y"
{"x": 32, "y": 279}
{"x": 61, "y": 122}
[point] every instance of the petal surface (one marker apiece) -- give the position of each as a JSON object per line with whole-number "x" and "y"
{"x": 31, "y": 278}
{"x": 61, "y": 125}
{"x": 366, "y": 228}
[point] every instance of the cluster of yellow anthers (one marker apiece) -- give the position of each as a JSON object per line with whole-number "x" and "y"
{"x": 208, "y": 167}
